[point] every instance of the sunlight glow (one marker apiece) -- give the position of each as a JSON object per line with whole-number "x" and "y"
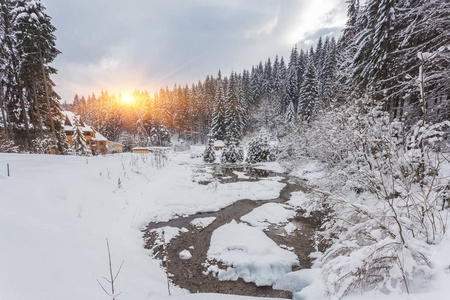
{"x": 128, "y": 99}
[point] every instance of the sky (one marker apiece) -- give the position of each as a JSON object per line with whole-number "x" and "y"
{"x": 121, "y": 46}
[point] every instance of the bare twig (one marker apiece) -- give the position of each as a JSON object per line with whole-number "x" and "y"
{"x": 166, "y": 254}
{"x": 112, "y": 279}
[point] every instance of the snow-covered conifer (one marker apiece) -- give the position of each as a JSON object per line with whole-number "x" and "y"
{"x": 209, "y": 155}
{"x": 232, "y": 153}
{"x": 219, "y": 109}
{"x": 259, "y": 148}
{"x": 78, "y": 140}
{"x": 309, "y": 94}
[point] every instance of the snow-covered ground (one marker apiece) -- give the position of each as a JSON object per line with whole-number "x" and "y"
{"x": 57, "y": 211}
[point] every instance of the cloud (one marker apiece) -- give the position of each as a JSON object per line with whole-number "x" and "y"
{"x": 318, "y": 16}
{"x": 148, "y": 44}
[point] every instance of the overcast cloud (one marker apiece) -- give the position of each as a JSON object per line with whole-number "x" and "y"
{"x": 120, "y": 46}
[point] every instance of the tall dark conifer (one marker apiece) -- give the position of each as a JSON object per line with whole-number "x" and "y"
{"x": 309, "y": 94}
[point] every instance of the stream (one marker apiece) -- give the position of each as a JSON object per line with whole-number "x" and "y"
{"x": 188, "y": 273}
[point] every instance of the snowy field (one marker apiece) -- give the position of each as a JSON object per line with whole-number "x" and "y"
{"x": 57, "y": 211}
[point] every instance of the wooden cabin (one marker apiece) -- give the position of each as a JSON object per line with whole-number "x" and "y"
{"x": 141, "y": 150}
{"x": 96, "y": 142}
{"x": 219, "y": 145}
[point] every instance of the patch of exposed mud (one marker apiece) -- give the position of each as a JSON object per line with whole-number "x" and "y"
{"x": 188, "y": 273}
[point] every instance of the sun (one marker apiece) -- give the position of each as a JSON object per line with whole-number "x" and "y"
{"x": 128, "y": 99}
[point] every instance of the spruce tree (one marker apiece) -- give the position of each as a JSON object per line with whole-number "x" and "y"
{"x": 234, "y": 119}
{"x": 232, "y": 152}
{"x": 37, "y": 45}
{"x": 292, "y": 92}
{"x": 78, "y": 141}
{"x": 259, "y": 148}
{"x": 309, "y": 94}
{"x": 218, "y": 129}
{"x": 209, "y": 155}
{"x": 328, "y": 74}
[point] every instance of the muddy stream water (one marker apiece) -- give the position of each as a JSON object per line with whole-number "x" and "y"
{"x": 188, "y": 273}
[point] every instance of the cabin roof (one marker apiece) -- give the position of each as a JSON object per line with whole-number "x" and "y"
{"x": 69, "y": 122}
{"x": 219, "y": 143}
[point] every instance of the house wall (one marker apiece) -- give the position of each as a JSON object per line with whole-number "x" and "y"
{"x": 88, "y": 136}
{"x": 101, "y": 147}
{"x": 141, "y": 151}
{"x": 114, "y": 147}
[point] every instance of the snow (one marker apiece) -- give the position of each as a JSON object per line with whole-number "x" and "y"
{"x": 185, "y": 254}
{"x": 290, "y": 228}
{"x": 201, "y": 223}
{"x": 241, "y": 175}
{"x": 71, "y": 116}
{"x": 296, "y": 281}
{"x": 219, "y": 143}
{"x": 270, "y": 166}
{"x": 210, "y": 297}
{"x": 99, "y": 137}
{"x": 249, "y": 254}
{"x": 57, "y": 211}
{"x": 311, "y": 170}
{"x": 270, "y": 213}
{"x": 171, "y": 203}
{"x": 168, "y": 232}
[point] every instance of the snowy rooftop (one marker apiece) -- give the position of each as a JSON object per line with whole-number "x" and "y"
{"x": 70, "y": 121}
{"x": 99, "y": 137}
{"x": 219, "y": 143}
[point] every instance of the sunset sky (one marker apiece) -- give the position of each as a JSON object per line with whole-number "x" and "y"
{"x": 120, "y": 46}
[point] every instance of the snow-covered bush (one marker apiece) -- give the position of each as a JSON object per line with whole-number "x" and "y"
{"x": 209, "y": 155}
{"x": 232, "y": 153}
{"x": 259, "y": 149}
{"x": 7, "y": 144}
{"x": 44, "y": 145}
{"x": 396, "y": 195}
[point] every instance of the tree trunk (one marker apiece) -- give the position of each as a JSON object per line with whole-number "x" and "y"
{"x": 44, "y": 78}
{"x": 41, "y": 123}
{"x": 25, "y": 119}
{"x": 3, "y": 108}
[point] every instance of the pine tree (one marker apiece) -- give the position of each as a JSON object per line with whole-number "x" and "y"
{"x": 268, "y": 77}
{"x": 289, "y": 116}
{"x": 209, "y": 155}
{"x": 37, "y": 45}
{"x": 232, "y": 153}
{"x": 78, "y": 141}
{"x": 292, "y": 92}
{"x": 283, "y": 76}
{"x": 16, "y": 104}
{"x": 256, "y": 82}
{"x": 218, "y": 126}
{"x": 234, "y": 119}
{"x": 259, "y": 148}
{"x": 309, "y": 94}
{"x": 234, "y": 122}
{"x": 328, "y": 74}
{"x": 302, "y": 62}
{"x": 278, "y": 77}
{"x": 319, "y": 54}
{"x": 27, "y": 47}
{"x": 346, "y": 50}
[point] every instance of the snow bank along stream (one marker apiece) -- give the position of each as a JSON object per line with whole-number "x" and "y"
{"x": 244, "y": 248}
